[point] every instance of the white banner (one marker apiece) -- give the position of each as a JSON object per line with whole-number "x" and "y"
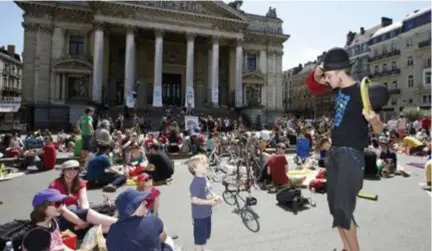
{"x": 215, "y": 94}
{"x": 190, "y": 97}
{"x": 157, "y": 96}
{"x": 9, "y": 106}
{"x": 191, "y": 122}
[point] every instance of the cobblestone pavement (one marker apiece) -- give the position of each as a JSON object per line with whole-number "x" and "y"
{"x": 399, "y": 221}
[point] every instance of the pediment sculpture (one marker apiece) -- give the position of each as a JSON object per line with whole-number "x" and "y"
{"x": 271, "y": 12}
{"x": 255, "y": 77}
{"x": 185, "y": 6}
{"x": 73, "y": 63}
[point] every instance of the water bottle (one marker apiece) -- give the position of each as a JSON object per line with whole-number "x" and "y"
{"x": 9, "y": 246}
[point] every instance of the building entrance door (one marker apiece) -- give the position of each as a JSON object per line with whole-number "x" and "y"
{"x": 171, "y": 89}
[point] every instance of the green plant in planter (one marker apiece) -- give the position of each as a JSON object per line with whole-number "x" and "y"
{"x": 412, "y": 113}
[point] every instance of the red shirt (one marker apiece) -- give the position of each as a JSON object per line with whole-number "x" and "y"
{"x": 72, "y": 199}
{"x": 49, "y": 157}
{"x": 425, "y": 123}
{"x": 277, "y": 164}
{"x": 154, "y": 193}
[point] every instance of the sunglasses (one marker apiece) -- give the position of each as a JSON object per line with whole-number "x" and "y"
{"x": 73, "y": 169}
{"x": 56, "y": 204}
{"x": 147, "y": 179}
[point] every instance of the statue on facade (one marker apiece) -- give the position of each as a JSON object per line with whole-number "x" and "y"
{"x": 236, "y": 4}
{"x": 271, "y": 12}
{"x": 253, "y": 96}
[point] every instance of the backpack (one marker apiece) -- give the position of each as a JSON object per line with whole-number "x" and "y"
{"x": 14, "y": 231}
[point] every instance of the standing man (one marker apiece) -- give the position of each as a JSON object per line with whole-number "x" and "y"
{"x": 349, "y": 138}
{"x": 85, "y": 124}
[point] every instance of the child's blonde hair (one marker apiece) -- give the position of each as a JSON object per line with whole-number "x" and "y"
{"x": 194, "y": 161}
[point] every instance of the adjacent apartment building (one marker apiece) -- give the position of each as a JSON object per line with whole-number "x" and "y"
{"x": 10, "y": 68}
{"x": 400, "y": 57}
{"x": 358, "y": 48}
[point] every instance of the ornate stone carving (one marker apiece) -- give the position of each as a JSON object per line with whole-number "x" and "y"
{"x": 159, "y": 32}
{"x": 190, "y": 36}
{"x": 271, "y": 12}
{"x": 253, "y": 94}
{"x": 185, "y": 6}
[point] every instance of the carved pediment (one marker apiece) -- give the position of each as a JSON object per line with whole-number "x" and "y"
{"x": 73, "y": 63}
{"x": 208, "y": 8}
{"x": 253, "y": 77}
{"x": 183, "y": 6}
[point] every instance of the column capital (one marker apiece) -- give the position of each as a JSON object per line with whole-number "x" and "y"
{"x": 159, "y": 32}
{"x": 99, "y": 25}
{"x": 240, "y": 41}
{"x": 190, "y": 36}
{"x": 130, "y": 29}
{"x": 215, "y": 39}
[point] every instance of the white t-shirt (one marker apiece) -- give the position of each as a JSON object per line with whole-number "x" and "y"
{"x": 392, "y": 123}
{"x": 265, "y": 135}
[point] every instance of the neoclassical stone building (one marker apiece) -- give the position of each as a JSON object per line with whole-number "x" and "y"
{"x": 168, "y": 52}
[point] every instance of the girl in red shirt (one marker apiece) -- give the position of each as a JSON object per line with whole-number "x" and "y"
{"x": 70, "y": 184}
{"x": 145, "y": 183}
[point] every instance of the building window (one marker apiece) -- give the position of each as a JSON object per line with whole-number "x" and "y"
{"x": 409, "y": 42}
{"x": 384, "y": 49}
{"x": 426, "y": 99}
{"x": 394, "y": 66}
{"x": 427, "y": 78}
{"x": 76, "y": 46}
{"x": 375, "y": 52}
{"x": 410, "y": 81}
{"x": 428, "y": 63}
{"x": 251, "y": 61}
{"x": 410, "y": 61}
{"x": 410, "y": 101}
{"x": 386, "y": 85}
{"x": 376, "y": 70}
{"x": 395, "y": 85}
{"x": 384, "y": 67}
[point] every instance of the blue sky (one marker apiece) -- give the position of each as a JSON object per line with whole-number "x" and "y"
{"x": 314, "y": 26}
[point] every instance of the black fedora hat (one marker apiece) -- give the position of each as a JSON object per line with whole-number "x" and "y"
{"x": 336, "y": 59}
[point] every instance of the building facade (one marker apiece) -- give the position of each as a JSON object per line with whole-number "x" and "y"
{"x": 300, "y": 101}
{"x": 167, "y": 52}
{"x": 10, "y": 68}
{"x": 358, "y": 48}
{"x": 400, "y": 58}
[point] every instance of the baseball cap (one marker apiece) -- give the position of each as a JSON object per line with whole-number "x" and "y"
{"x": 314, "y": 87}
{"x": 128, "y": 201}
{"x": 142, "y": 177}
{"x": 49, "y": 194}
{"x": 70, "y": 164}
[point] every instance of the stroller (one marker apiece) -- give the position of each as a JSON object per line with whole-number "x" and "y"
{"x": 302, "y": 150}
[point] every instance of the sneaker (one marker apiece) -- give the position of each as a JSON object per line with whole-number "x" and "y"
{"x": 32, "y": 168}
{"x": 109, "y": 188}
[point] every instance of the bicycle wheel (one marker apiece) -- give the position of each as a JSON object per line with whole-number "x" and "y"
{"x": 229, "y": 198}
{"x": 250, "y": 219}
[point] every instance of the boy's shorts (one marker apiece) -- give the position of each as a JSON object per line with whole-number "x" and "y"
{"x": 201, "y": 230}
{"x": 86, "y": 140}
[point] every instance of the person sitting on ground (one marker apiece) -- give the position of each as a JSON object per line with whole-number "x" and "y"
{"x": 150, "y": 139}
{"x": 278, "y": 169}
{"x": 101, "y": 173}
{"x": 42, "y": 159}
{"x": 164, "y": 167}
{"x": 211, "y": 142}
{"x": 70, "y": 184}
{"x": 174, "y": 140}
{"x": 387, "y": 161}
{"x": 136, "y": 162}
{"x": 145, "y": 184}
{"x": 14, "y": 146}
{"x": 428, "y": 169}
{"x": 413, "y": 145}
{"x": 135, "y": 228}
{"x": 186, "y": 146}
{"x": 45, "y": 233}
{"x": 102, "y": 133}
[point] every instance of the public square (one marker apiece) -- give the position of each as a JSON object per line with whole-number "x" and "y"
{"x": 398, "y": 221}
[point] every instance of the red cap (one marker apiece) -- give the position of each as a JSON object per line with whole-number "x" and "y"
{"x": 142, "y": 177}
{"x": 314, "y": 87}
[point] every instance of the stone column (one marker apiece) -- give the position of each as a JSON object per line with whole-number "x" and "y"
{"x": 98, "y": 64}
{"x": 215, "y": 72}
{"x": 58, "y": 87}
{"x": 190, "y": 92}
{"x": 129, "y": 81}
{"x": 157, "y": 89}
{"x": 63, "y": 84}
{"x": 239, "y": 74}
